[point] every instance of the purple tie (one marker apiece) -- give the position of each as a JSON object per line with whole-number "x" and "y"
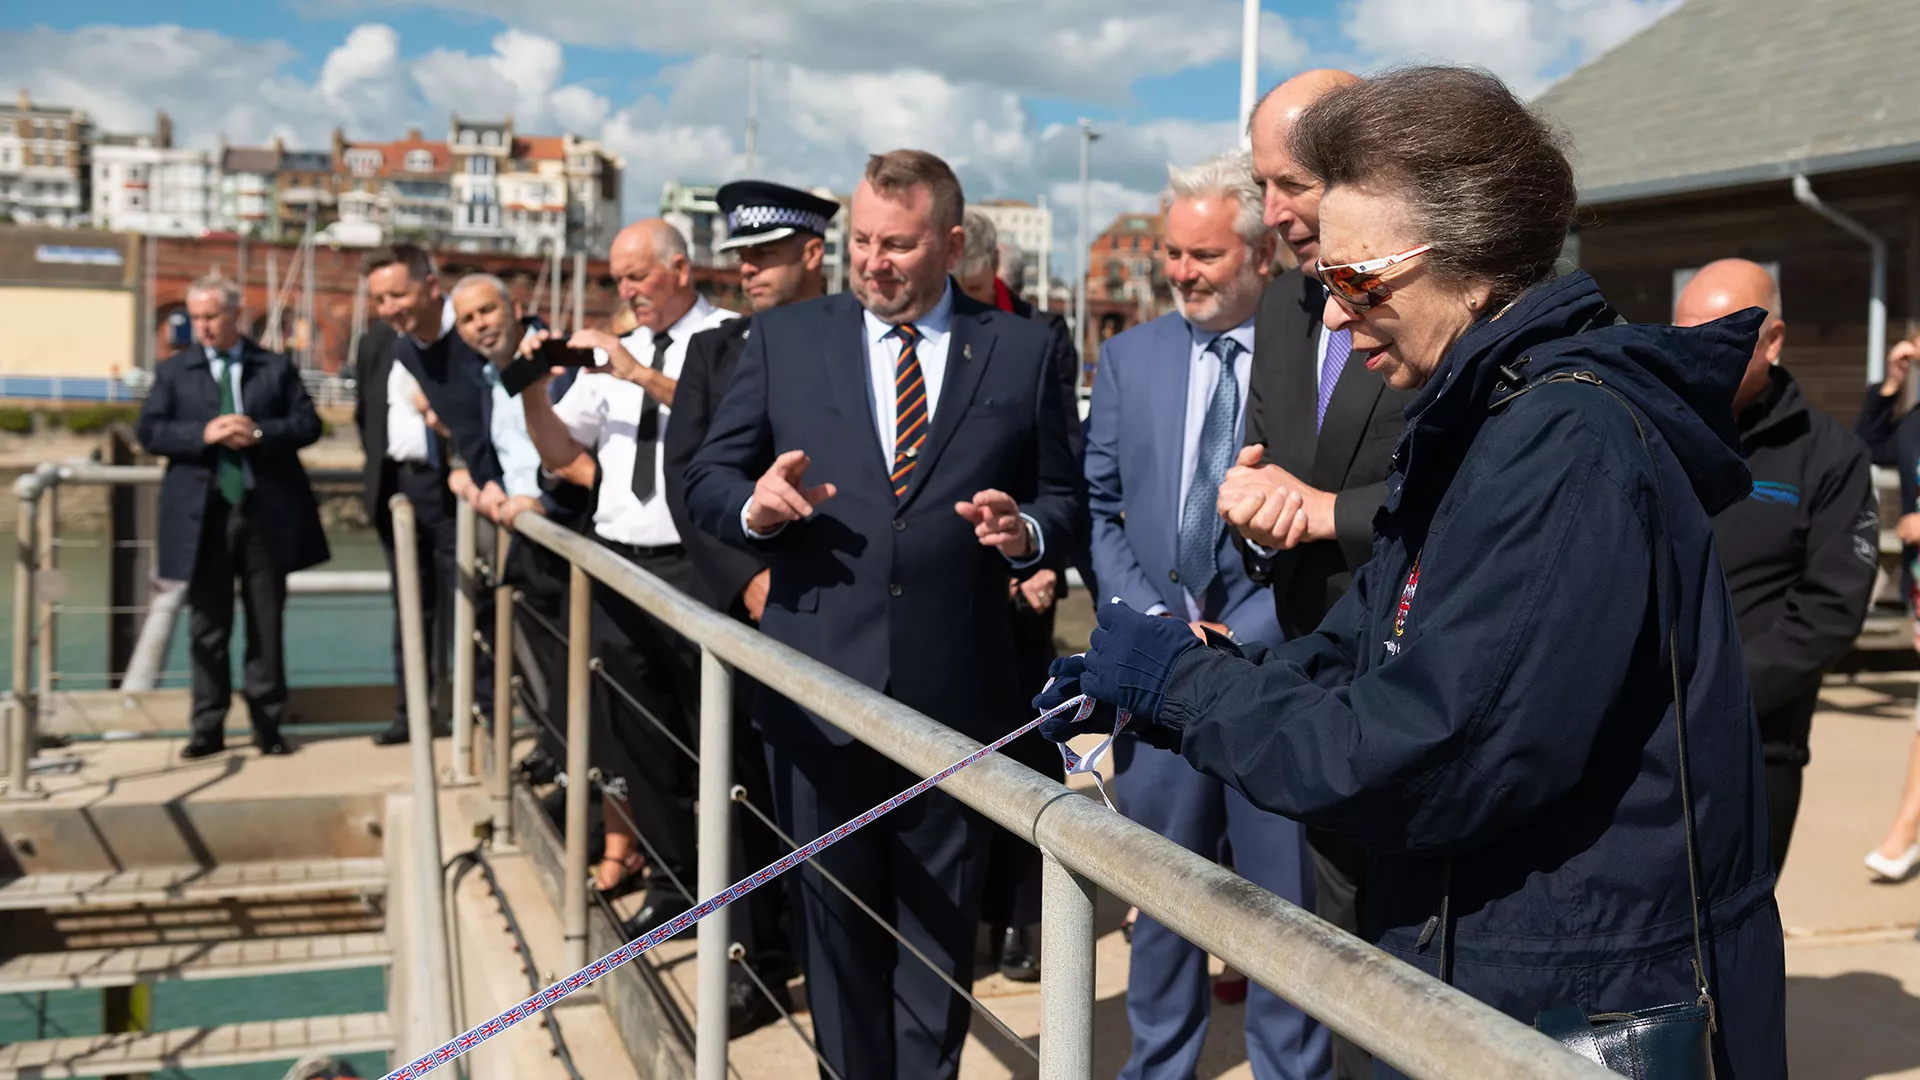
{"x": 1339, "y": 347}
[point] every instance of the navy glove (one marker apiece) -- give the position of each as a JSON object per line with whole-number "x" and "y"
{"x": 1064, "y": 687}
{"x": 1131, "y": 656}
{"x": 1126, "y": 666}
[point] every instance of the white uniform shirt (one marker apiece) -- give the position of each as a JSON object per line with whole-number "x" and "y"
{"x": 602, "y": 413}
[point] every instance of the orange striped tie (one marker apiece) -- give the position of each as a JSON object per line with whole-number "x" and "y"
{"x": 909, "y": 408}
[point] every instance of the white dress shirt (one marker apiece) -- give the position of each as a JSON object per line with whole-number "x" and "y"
{"x": 406, "y": 424}
{"x": 602, "y": 412}
{"x": 1203, "y": 377}
{"x": 935, "y": 332}
{"x": 935, "y": 329}
{"x": 519, "y": 458}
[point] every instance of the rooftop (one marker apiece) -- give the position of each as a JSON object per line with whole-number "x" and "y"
{"x": 1722, "y": 93}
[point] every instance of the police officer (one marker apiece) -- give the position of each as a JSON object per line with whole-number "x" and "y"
{"x": 780, "y": 235}
{"x": 1801, "y": 552}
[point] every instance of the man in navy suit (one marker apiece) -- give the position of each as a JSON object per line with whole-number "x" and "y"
{"x": 1164, "y": 428}
{"x": 895, "y": 453}
{"x": 230, "y": 418}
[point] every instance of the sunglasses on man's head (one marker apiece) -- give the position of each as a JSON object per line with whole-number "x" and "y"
{"x": 1363, "y": 285}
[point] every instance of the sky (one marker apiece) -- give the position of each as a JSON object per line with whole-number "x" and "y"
{"x": 997, "y": 87}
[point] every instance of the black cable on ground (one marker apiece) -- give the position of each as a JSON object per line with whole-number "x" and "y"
{"x": 478, "y": 857}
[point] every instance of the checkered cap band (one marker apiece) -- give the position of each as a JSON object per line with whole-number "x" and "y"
{"x": 773, "y": 217}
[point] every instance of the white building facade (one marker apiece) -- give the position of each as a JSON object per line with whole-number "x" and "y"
{"x": 1030, "y": 228}
{"x": 44, "y": 171}
{"x": 145, "y": 184}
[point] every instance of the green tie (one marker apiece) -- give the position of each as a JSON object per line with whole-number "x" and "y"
{"x": 232, "y": 477}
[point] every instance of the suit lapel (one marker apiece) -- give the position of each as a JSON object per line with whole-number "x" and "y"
{"x": 969, "y": 346}
{"x": 845, "y": 345}
{"x": 1349, "y": 412}
{"x": 1299, "y": 382}
{"x": 1166, "y": 406}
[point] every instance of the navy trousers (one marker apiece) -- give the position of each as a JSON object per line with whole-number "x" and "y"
{"x": 1168, "y": 992}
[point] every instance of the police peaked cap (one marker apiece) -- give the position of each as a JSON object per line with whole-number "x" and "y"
{"x": 759, "y": 212}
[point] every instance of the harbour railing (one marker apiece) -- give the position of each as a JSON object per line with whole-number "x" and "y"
{"x": 1417, "y": 1024}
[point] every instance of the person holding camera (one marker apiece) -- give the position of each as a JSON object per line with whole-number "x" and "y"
{"x": 611, "y": 427}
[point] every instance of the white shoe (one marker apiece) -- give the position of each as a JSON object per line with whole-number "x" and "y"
{"x": 1894, "y": 869}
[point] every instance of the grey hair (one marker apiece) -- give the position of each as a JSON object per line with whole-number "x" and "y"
{"x": 219, "y": 284}
{"x": 982, "y": 246}
{"x": 1229, "y": 174}
{"x": 667, "y": 243}
{"x": 1013, "y": 262}
{"x": 474, "y": 281}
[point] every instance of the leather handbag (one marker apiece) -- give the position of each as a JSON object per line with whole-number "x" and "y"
{"x": 1669, "y": 1042}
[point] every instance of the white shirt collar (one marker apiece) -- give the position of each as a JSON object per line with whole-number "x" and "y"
{"x": 1242, "y": 334}
{"x": 935, "y": 322}
{"x": 686, "y": 325}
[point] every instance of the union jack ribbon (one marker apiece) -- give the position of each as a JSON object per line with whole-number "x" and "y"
{"x": 1090, "y": 764}
{"x": 553, "y": 994}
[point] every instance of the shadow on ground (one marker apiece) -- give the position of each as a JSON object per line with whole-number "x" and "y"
{"x": 1851, "y": 1026}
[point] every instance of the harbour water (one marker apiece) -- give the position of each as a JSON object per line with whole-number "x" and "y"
{"x": 332, "y": 640}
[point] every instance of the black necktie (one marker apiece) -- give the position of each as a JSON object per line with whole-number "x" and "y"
{"x": 646, "y": 438}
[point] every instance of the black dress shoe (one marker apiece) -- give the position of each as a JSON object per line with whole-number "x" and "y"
{"x": 661, "y": 908}
{"x": 747, "y": 1008}
{"x": 1017, "y": 959}
{"x": 203, "y": 746}
{"x": 396, "y": 734}
{"x": 538, "y": 768}
{"x": 274, "y": 745}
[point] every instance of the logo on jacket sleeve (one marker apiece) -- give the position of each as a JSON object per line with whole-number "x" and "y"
{"x": 1776, "y": 492}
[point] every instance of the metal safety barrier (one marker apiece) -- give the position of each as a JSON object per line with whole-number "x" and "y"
{"x": 1406, "y": 1018}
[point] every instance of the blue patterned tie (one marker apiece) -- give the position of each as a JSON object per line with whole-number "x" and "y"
{"x": 1339, "y": 347}
{"x": 1199, "y": 525}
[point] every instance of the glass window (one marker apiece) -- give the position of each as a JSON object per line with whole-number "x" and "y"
{"x": 419, "y": 161}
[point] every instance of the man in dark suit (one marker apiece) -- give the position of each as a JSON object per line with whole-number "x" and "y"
{"x": 779, "y": 234}
{"x": 412, "y": 460}
{"x": 230, "y": 418}
{"x": 895, "y": 454}
{"x": 1319, "y": 426}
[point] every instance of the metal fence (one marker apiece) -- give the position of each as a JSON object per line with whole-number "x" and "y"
{"x": 1406, "y": 1018}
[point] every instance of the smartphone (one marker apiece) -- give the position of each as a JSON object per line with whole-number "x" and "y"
{"x": 554, "y": 353}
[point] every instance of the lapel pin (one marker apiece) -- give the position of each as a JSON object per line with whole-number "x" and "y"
{"x": 966, "y": 351}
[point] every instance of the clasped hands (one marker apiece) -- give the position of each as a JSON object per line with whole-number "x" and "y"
{"x": 781, "y": 497}
{"x": 1270, "y": 506}
{"x": 233, "y": 431}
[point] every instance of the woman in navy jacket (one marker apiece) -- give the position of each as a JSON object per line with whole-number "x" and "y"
{"x": 1490, "y": 711}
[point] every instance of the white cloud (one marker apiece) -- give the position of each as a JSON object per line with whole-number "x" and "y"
{"x": 1527, "y": 42}
{"x": 1083, "y": 49}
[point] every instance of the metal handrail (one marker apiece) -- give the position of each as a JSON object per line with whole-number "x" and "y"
{"x": 1407, "y": 1018}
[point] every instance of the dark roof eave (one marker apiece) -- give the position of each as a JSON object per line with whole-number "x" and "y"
{"x": 1747, "y": 175}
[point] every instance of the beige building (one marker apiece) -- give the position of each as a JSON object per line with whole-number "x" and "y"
{"x": 53, "y": 280}
{"x": 44, "y": 172}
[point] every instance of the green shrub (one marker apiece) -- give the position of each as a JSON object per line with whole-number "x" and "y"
{"x": 16, "y": 421}
{"x": 88, "y": 419}
{"x": 53, "y": 420}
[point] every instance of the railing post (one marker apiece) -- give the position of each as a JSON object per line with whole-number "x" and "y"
{"x": 716, "y": 845}
{"x": 20, "y": 733}
{"x": 1066, "y": 972}
{"x": 464, "y": 582}
{"x": 501, "y": 781}
{"x": 49, "y": 565}
{"x": 579, "y": 764}
{"x": 430, "y": 907}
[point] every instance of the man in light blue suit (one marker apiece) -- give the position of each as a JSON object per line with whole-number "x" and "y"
{"x": 1165, "y": 423}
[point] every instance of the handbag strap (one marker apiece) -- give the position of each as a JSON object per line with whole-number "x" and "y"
{"x": 1664, "y": 562}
